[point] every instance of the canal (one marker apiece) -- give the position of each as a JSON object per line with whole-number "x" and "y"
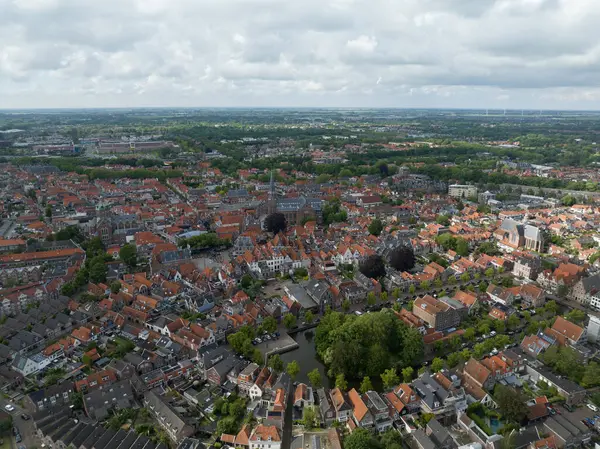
{"x": 306, "y": 356}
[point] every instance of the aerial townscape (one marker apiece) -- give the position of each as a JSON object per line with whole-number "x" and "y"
{"x": 301, "y": 278}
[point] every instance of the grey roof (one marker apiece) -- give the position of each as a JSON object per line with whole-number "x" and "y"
{"x": 429, "y": 390}
{"x": 166, "y": 414}
{"x": 439, "y": 434}
{"x": 74, "y": 432}
{"x": 591, "y": 284}
{"x": 325, "y": 404}
{"x": 101, "y": 400}
{"x": 423, "y": 440}
{"x": 103, "y": 441}
{"x": 532, "y": 232}
{"x": 82, "y": 435}
{"x": 93, "y": 437}
{"x": 237, "y": 193}
{"x": 294, "y": 204}
{"x": 556, "y": 428}
{"x": 116, "y": 440}
{"x": 128, "y": 441}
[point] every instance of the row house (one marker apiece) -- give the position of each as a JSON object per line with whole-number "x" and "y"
{"x": 440, "y": 314}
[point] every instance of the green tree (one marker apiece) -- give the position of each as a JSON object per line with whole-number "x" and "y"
{"x": 376, "y": 227}
{"x": 128, "y": 254}
{"x": 513, "y": 321}
{"x": 309, "y": 418}
{"x": 371, "y": 299}
{"x": 511, "y": 403}
{"x": 391, "y": 439}
{"x": 453, "y": 359}
{"x": 314, "y": 377}
{"x": 425, "y": 285}
{"x": 346, "y": 305}
{"x": 465, "y": 277}
{"x": 384, "y": 296}
{"x": 412, "y": 289}
{"x": 48, "y": 211}
{"x": 289, "y": 320}
{"x": 292, "y": 368}
{"x": 340, "y": 382}
{"x": 361, "y": 438}
{"x": 276, "y": 363}
{"x": 407, "y": 374}
{"x": 366, "y": 385}
{"x": 576, "y": 316}
{"x": 469, "y": 334}
{"x": 115, "y": 287}
{"x": 269, "y": 324}
{"x": 489, "y": 272}
{"x": 309, "y": 317}
{"x": 438, "y": 283}
{"x": 437, "y": 364}
{"x": 86, "y": 360}
{"x": 390, "y": 378}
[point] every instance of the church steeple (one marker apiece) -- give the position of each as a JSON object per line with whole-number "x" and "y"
{"x": 272, "y": 195}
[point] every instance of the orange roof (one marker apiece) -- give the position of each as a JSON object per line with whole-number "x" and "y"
{"x": 24, "y": 257}
{"x": 265, "y": 433}
{"x": 395, "y": 401}
{"x": 567, "y": 329}
{"x": 360, "y": 408}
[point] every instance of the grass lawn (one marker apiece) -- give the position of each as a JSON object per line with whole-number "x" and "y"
{"x": 6, "y": 444}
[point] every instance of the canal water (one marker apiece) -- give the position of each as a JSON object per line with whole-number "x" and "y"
{"x": 306, "y": 356}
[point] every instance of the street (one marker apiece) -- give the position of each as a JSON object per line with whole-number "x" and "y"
{"x": 26, "y": 428}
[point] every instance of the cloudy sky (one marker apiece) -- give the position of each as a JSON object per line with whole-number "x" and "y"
{"x": 373, "y": 53}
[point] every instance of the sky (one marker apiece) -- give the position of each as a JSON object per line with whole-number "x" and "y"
{"x": 515, "y": 54}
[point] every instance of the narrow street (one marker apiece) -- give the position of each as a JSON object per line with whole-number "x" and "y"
{"x": 286, "y": 439}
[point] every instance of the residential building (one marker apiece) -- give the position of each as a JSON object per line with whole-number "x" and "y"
{"x": 265, "y": 437}
{"x": 439, "y": 314}
{"x": 462, "y": 191}
{"x": 593, "y": 329}
{"x": 167, "y": 418}
{"x": 585, "y": 289}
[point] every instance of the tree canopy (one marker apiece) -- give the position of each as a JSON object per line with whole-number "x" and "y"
{"x": 275, "y": 223}
{"x": 402, "y": 258}
{"x": 366, "y": 345}
{"x": 373, "y": 266}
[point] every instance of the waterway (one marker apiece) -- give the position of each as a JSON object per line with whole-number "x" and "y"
{"x": 306, "y": 356}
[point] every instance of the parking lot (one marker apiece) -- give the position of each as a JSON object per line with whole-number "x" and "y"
{"x": 25, "y": 427}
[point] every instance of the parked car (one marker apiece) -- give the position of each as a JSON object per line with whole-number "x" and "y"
{"x": 592, "y": 407}
{"x": 25, "y": 417}
{"x": 9, "y": 408}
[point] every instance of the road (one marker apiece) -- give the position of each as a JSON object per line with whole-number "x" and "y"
{"x": 26, "y": 428}
{"x": 286, "y": 439}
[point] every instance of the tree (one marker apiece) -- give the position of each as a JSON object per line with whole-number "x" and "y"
{"x": 292, "y": 368}
{"x": 444, "y": 220}
{"x": 438, "y": 283}
{"x": 402, "y": 258}
{"x": 373, "y": 266}
{"x": 513, "y": 321}
{"x": 390, "y": 378}
{"x": 469, "y": 334}
{"x": 551, "y": 307}
{"x": 289, "y": 320}
{"x": 366, "y": 385}
{"x": 407, "y": 374}
{"x": 48, "y": 211}
{"x": 309, "y": 317}
{"x": 361, "y": 438}
{"x": 391, "y": 439}
{"x": 425, "y": 285}
{"x": 345, "y": 305}
{"x": 275, "y": 223}
{"x": 453, "y": 359}
{"x": 276, "y": 363}
{"x": 128, "y": 254}
{"x": 384, "y": 296}
{"x": 576, "y": 316}
{"x": 86, "y": 360}
{"x": 396, "y": 293}
{"x": 227, "y": 425}
{"x": 482, "y": 287}
{"x": 340, "y": 382}
{"x": 412, "y": 289}
{"x": 371, "y": 299}
{"x": 98, "y": 271}
{"x": 462, "y": 247}
{"x": 246, "y": 281}
{"x": 511, "y": 403}
{"x": 314, "y": 377}
{"x": 115, "y": 287}
{"x": 269, "y": 324}
{"x": 465, "y": 277}
{"x": 489, "y": 272}
{"x": 309, "y": 418}
{"x": 376, "y": 227}
{"x": 437, "y": 365}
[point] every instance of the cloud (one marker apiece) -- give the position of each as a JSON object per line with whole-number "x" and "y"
{"x": 413, "y": 53}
